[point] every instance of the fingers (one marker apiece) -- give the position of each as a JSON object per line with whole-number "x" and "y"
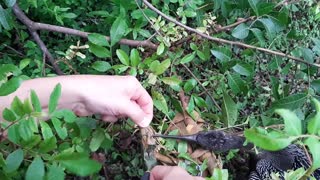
{"x": 136, "y": 113}
{"x": 171, "y": 172}
{"x": 109, "y": 118}
{"x": 144, "y": 101}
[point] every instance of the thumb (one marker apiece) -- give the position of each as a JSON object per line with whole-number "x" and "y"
{"x": 134, "y": 111}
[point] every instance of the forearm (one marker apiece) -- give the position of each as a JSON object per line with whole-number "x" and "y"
{"x": 43, "y": 87}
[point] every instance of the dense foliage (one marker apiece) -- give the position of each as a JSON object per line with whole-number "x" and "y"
{"x": 232, "y": 85}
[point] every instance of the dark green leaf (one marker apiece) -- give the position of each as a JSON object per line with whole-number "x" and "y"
{"x": 241, "y": 31}
{"x": 291, "y": 102}
{"x": 10, "y": 86}
{"x": 189, "y": 85}
{"x": 271, "y": 26}
{"x": 315, "y": 84}
{"x": 4, "y": 18}
{"x": 266, "y": 141}
{"x": 99, "y": 51}
{"x": 97, "y": 138}
{"x": 13, "y": 134}
{"x": 307, "y": 54}
{"x": 118, "y": 29}
{"x": 14, "y": 160}
{"x": 236, "y": 84}
{"x": 61, "y": 131}
{"x": 244, "y": 69}
{"x": 123, "y": 57}
{"x": 55, "y": 173}
{"x": 221, "y": 56}
{"x": 229, "y": 110}
{"x": 259, "y": 35}
{"x": 254, "y": 6}
{"x": 24, "y": 130}
{"x": 17, "y": 106}
{"x": 8, "y": 115}
{"x": 292, "y": 124}
{"x": 98, "y": 39}
{"x": 67, "y": 115}
{"x": 35, "y": 170}
{"x": 101, "y": 66}
{"x": 35, "y": 101}
{"x": 54, "y": 98}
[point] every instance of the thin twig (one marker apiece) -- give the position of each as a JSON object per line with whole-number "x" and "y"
{"x": 204, "y": 88}
{"x": 228, "y": 27}
{"x": 224, "y": 41}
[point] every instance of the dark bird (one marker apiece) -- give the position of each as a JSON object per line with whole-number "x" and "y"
{"x": 266, "y": 162}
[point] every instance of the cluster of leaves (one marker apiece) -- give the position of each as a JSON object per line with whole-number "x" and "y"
{"x": 248, "y": 86}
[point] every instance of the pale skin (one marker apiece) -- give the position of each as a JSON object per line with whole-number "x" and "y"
{"x": 111, "y": 97}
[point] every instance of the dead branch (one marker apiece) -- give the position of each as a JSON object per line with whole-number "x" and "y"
{"x": 224, "y": 41}
{"x": 228, "y": 27}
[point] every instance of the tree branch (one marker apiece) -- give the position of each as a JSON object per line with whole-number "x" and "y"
{"x": 26, "y": 21}
{"x": 228, "y": 27}
{"x": 224, "y": 41}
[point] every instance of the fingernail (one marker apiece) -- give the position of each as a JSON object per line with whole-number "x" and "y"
{"x": 145, "y": 122}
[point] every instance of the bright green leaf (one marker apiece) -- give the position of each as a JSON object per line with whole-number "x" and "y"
{"x": 8, "y": 115}
{"x": 54, "y": 98}
{"x": 55, "y": 172}
{"x": 163, "y": 66}
{"x": 236, "y": 84}
{"x": 67, "y": 115}
{"x": 48, "y": 145}
{"x": 35, "y": 101}
{"x": 61, "y": 131}
{"x": 314, "y": 122}
{"x": 314, "y": 146}
{"x": 291, "y": 102}
{"x": 97, "y": 138}
{"x": 292, "y": 124}
{"x": 189, "y": 85}
{"x": 46, "y": 130}
{"x": 99, "y": 51}
{"x": 159, "y": 102}
{"x": 188, "y": 58}
{"x": 10, "y": 86}
{"x": 123, "y": 57}
{"x": 160, "y": 49}
{"x": 25, "y": 130}
{"x": 173, "y": 81}
{"x": 118, "y": 29}
{"x": 135, "y": 58}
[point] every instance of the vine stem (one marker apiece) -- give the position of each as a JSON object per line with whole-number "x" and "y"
{"x": 224, "y": 41}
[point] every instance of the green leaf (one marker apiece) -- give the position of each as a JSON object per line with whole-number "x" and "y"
{"x": 221, "y": 56}
{"x": 78, "y": 163}
{"x": 236, "y": 84}
{"x": 10, "y": 86}
{"x": 99, "y": 51}
{"x": 61, "y": 131}
{"x": 123, "y": 57}
{"x": 189, "y": 85}
{"x": 48, "y": 145}
{"x": 27, "y": 106}
{"x": 163, "y": 66}
{"x": 13, "y": 134}
{"x": 46, "y": 130}
{"x": 35, "y": 101}
{"x": 159, "y": 102}
{"x": 188, "y": 58}
{"x": 10, "y": 3}
{"x": 292, "y": 124}
{"x": 98, "y": 39}
{"x": 25, "y": 130}
{"x": 315, "y": 84}
{"x": 244, "y": 69}
{"x": 4, "y": 18}
{"x": 229, "y": 110}
{"x": 101, "y": 66}
{"x": 314, "y": 122}
{"x": 241, "y": 31}
{"x": 35, "y": 170}
{"x": 14, "y": 161}
{"x": 55, "y": 173}
{"x": 307, "y": 54}
{"x": 220, "y": 174}
{"x": 17, "y": 106}
{"x": 67, "y": 115}
{"x": 118, "y": 29}
{"x": 98, "y": 137}
{"x": 160, "y": 49}
{"x": 182, "y": 147}
{"x": 291, "y": 102}
{"x": 54, "y": 98}
{"x": 254, "y": 6}
{"x": 259, "y": 35}
{"x": 24, "y": 63}
{"x": 314, "y": 146}
{"x": 135, "y": 58}
{"x": 272, "y": 27}
{"x": 172, "y": 81}
{"x": 8, "y": 115}
{"x": 266, "y": 141}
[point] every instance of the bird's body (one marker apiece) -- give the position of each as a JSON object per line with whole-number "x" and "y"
{"x": 266, "y": 162}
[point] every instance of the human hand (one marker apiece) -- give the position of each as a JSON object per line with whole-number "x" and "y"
{"x": 171, "y": 172}
{"x": 113, "y": 97}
